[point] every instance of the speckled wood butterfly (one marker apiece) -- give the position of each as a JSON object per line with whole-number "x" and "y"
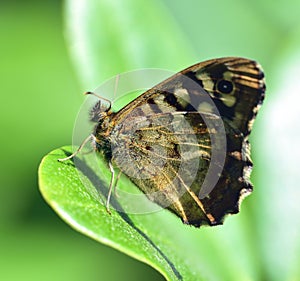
{"x": 184, "y": 142}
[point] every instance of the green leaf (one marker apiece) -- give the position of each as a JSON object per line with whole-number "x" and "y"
{"x": 65, "y": 192}
{"x": 160, "y": 239}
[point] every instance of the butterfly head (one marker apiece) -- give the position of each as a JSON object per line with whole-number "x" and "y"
{"x": 100, "y": 110}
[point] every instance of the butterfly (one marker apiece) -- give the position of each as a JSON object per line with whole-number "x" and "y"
{"x": 184, "y": 142}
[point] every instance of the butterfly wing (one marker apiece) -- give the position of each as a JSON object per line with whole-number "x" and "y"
{"x": 164, "y": 140}
{"x": 235, "y": 85}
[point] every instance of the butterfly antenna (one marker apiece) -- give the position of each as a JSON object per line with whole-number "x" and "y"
{"x": 99, "y": 97}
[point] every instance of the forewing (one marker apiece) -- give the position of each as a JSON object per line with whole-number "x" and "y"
{"x": 202, "y": 87}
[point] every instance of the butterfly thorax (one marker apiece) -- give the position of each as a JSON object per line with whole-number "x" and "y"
{"x": 102, "y": 134}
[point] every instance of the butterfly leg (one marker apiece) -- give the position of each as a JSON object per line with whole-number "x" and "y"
{"x": 110, "y": 186}
{"x": 115, "y": 185}
{"x": 90, "y": 137}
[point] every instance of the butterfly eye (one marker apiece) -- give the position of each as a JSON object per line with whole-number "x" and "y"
{"x": 225, "y": 86}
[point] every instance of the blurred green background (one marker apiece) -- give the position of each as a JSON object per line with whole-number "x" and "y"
{"x": 41, "y": 85}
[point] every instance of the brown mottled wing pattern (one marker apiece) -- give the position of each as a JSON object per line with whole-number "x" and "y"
{"x": 162, "y": 142}
{"x": 241, "y": 105}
